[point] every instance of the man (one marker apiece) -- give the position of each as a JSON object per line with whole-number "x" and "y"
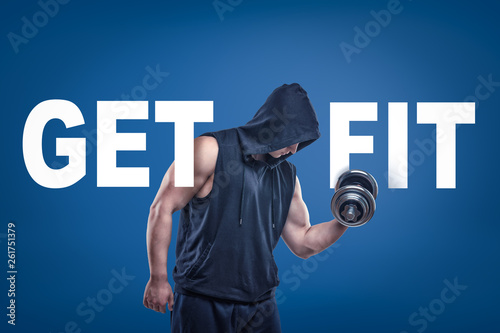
{"x": 245, "y": 196}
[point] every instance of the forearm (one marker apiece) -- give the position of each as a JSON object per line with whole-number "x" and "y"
{"x": 159, "y": 234}
{"x": 321, "y": 236}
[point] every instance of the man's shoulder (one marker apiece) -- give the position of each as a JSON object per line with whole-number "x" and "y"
{"x": 289, "y": 169}
{"x": 206, "y": 144}
{"x": 206, "y": 151}
{"x": 288, "y": 164}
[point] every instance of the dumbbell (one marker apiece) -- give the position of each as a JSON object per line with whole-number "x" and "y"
{"x": 353, "y": 203}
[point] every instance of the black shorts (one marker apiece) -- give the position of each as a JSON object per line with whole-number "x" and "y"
{"x": 197, "y": 314}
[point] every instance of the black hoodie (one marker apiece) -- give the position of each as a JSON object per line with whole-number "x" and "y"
{"x": 225, "y": 239}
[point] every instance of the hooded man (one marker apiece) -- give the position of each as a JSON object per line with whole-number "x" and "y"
{"x": 245, "y": 196}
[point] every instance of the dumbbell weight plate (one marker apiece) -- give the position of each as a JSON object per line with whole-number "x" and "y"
{"x": 353, "y": 205}
{"x": 358, "y": 177}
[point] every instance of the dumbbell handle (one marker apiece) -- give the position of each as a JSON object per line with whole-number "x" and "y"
{"x": 350, "y": 215}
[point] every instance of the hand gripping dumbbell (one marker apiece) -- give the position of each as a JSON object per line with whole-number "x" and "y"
{"x": 353, "y": 203}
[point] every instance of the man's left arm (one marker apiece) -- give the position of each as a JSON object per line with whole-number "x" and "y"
{"x": 303, "y": 239}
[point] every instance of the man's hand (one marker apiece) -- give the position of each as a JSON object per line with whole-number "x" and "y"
{"x": 157, "y": 294}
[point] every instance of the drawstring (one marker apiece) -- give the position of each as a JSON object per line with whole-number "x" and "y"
{"x": 272, "y": 199}
{"x": 242, "y": 196}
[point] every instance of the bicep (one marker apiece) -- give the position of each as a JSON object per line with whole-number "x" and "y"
{"x": 171, "y": 198}
{"x": 297, "y": 222}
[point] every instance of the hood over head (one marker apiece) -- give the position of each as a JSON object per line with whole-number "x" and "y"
{"x": 286, "y": 118}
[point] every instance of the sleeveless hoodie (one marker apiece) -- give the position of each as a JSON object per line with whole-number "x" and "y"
{"x": 226, "y": 239}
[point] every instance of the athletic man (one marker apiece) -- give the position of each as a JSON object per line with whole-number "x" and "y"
{"x": 245, "y": 196}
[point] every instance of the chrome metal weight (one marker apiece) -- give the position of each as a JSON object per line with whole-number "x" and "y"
{"x": 353, "y": 203}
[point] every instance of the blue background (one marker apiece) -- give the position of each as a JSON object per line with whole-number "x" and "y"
{"x": 69, "y": 240}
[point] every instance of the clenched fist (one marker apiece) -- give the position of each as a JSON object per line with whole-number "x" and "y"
{"x": 157, "y": 294}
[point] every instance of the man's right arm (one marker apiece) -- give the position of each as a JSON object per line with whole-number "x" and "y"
{"x": 168, "y": 200}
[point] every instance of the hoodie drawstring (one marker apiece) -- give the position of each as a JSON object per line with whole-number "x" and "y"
{"x": 272, "y": 198}
{"x": 242, "y": 196}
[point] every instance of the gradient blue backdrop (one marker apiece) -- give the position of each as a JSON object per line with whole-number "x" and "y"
{"x": 70, "y": 240}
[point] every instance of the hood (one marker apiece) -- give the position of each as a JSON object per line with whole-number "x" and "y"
{"x": 286, "y": 118}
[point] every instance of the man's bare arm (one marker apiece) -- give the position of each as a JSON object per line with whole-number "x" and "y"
{"x": 303, "y": 239}
{"x": 168, "y": 200}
